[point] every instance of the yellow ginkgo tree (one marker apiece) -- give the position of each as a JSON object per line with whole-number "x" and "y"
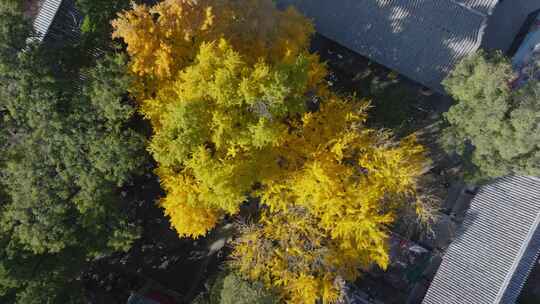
{"x": 165, "y": 38}
{"x": 328, "y": 216}
{"x": 240, "y": 111}
{"x": 220, "y": 81}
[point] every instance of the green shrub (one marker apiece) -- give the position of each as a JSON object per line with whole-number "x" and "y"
{"x": 229, "y": 288}
{"x": 235, "y": 290}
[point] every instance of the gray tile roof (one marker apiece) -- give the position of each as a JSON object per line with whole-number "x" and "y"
{"x": 58, "y": 22}
{"x": 496, "y": 248}
{"x": 506, "y": 22}
{"x": 421, "y": 39}
{"x": 482, "y": 6}
{"x": 45, "y": 17}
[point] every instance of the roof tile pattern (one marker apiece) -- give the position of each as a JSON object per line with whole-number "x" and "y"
{"x": 45, "y": 17}
{"x": 482, "y": 6}
{"x": 421, "y": 39}
{"x": 498, "y": 244}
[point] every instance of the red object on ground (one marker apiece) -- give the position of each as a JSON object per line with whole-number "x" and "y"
{"x": 160, "y": 298}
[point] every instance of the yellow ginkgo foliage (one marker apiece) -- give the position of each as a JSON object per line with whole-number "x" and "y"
{"x": 218, "y": 125}
{"x": 218, "y": 81}
{"x": 240, "y": 112}
{"x": 288, "y": 252}
{"x": 165, "y": 38}
{"x": 328, "y": 216}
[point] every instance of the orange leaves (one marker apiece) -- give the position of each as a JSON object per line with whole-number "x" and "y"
{"x": 160, "y": 39}
{"x": 164, "y": 39}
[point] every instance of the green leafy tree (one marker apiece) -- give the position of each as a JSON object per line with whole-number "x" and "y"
{"x": 98, "y": 14}
{"x": 26, "y": 277}
{"x": 494, "y": 127}
{"x": 14, "y": 29}
{"x": 68, "y": 151}
{"x": 229, "y": 288}
{"x": 238, "y": 291}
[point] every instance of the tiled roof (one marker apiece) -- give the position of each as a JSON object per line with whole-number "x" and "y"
{"x": 482, "y": 6}
{"x": 421, "y": 39}
{"x": 58, "y": 24}
{"x": 45, "y": 17}
{"x": 498, "y": 244}
{"x": 506, "y": 21}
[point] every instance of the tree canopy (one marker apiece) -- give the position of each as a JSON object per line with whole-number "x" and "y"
{"x": 493, "y": 125}
{"x": 165, "y": 38}
{"x": 216, "y": 120}
{"x": 96, "y": 26}
{"x": 240, "y": 112}
{"x": 68, "y": 150}
{"x": 65, "y": 162}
